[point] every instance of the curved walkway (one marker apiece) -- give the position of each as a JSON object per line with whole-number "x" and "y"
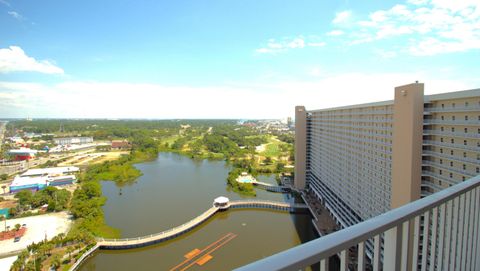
{"x": 272, "y": 188}
{"x": 269, "y": 187}
{"x": 127, "y": 243}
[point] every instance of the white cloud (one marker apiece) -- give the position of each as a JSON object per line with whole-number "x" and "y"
{"x": 335, "y": 33}
{"x": 130, "y": 100}
{"x": 16, "y": 15}
{"x": 316, "y": 72}
{"x": 386, "y": 54}
{"x": 273, "y": 46}
{"x": 296, "y": 43}
{"x": 433, "y": 46}
{"x": 342, "y": 17}
{"x": 443, "y": 25}
{"x": 316, "y": 44}
{"x": 14, "y": 59}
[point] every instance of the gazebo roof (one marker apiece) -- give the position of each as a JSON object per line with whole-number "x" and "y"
{"x": 221, "y": 200}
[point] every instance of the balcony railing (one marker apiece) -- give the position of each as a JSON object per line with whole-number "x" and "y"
{"x": 453, "y": 109}
{"x": 447, "y": 240}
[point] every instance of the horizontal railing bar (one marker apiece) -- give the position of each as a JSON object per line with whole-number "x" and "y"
{"x": 318, "y": 249}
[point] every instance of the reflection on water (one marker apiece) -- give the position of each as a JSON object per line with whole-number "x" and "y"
{"x": 175, "y": 189}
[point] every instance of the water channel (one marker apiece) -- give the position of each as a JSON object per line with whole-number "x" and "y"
{"x": 175, "y": 189}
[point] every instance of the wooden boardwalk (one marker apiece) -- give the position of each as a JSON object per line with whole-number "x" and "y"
{"x": 179, "y": 230}
{"x": 128, "y": 243}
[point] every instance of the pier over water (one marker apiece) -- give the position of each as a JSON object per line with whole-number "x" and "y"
{"x": 136, "y": 242}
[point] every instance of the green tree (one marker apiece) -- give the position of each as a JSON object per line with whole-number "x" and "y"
{"x": 56, "y": 261}
{"x": 3, "y": 177}
{"x": 17, "y": 227}
{"x": 12, "y": 212}
{"x": 268, "y": 161}
{"x": 24, "y": 197}
{"x": 69, "y": 251}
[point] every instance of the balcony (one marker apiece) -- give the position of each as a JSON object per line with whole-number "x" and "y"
{"x": 451, "y": 122}
{"x": 454, "y": 134}
{"x": 449, "y": 241}
{"x": 450, "y": 145}
{"x": 453, "y": 109}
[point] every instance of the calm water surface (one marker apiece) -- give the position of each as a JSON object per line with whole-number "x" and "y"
{"x": 175, "y": 189}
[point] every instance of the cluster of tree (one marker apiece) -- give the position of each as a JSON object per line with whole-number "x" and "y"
{"x": 287, "y": 138}
{"x": 86, "y": 207}
{"x": 108, "y": 129}
{"x": 120, "y": 171}
{"x": 49, "y": 254}
{"x": 144, "y": 145}
{"x": 220, "y": 144}
{"x": 57, "y": 199}
{"x": 242, "y": 136}
{"x": 180, "y": 142}
{"x": 241, "y": 188}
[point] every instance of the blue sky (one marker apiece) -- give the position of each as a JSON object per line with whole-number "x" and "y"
{"x": 227, "y": 58}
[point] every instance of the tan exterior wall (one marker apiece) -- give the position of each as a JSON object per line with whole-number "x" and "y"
{"x": 451, "y": 140}
{"x": 300, "y": 146}
{"x": 363, "y": 160}
{"x": 407, "y": 144}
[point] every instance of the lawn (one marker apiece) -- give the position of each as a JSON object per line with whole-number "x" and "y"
{"x": 272, "y": 149}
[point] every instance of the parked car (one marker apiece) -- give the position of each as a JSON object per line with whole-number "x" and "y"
{"x": 16, "y": 239}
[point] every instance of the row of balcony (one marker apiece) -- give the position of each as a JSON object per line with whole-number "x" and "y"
{"x": 437, "y": 232}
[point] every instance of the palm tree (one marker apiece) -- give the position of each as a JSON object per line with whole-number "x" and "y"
{"x": 56, "y": 261}
{"x": 48, "y": 248}
{"x": 69, "y": 251}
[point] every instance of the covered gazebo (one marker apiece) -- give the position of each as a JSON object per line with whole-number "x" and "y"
{"x": 221, "y": 202}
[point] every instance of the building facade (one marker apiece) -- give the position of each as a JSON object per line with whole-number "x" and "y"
{"x": 72, "y": 140}
{"x": 363, "y": 160}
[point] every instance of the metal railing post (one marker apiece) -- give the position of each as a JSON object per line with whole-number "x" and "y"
{"x": 393, "y": 248}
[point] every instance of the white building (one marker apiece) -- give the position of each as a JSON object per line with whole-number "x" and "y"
{"x": 72, "y": 140}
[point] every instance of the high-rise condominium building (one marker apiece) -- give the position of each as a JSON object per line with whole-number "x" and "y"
{"x": 363, "y": 160}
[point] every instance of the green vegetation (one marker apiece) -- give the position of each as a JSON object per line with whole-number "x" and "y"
{"x": 47, "y": 254}
{"x": 198, "y": 139}
{"x": 52, "y": 163}
{"x": 241, "y": 188}
{"x": 57, "y": 199}
{"x": 86, "y": 207}
{"x": 3, "y": 177}
{"x": 88, "y": 200}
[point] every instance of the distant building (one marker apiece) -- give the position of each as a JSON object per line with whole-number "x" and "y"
{"x": 72, "y": 140}
{"x": 16, "y": 140}
{"x": 37, "y": 179}
{"x": 22, "y": 154}
{"x": 121, "y": 145}
{"x": 53, "y": 171}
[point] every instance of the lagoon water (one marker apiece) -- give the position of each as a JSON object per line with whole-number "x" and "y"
{"x": 175, "y": 189}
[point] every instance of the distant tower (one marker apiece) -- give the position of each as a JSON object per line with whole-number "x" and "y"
{"x": 289, "y": 121}
{"x": 61, "y": 128}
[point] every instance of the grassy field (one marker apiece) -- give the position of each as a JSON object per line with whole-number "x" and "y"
{"x": 273, "y": 148}
{"x": 170, "y": 140}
